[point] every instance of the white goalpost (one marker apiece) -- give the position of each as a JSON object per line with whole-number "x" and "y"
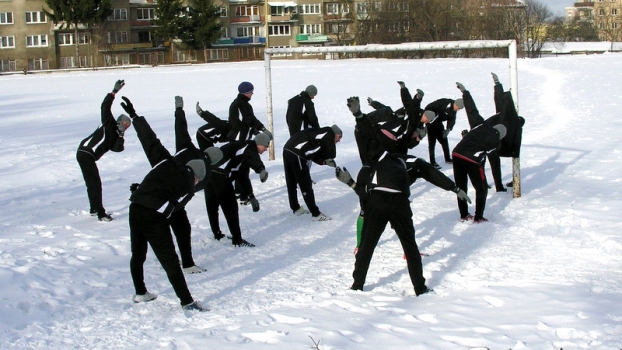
{"x": 422, "y": 46}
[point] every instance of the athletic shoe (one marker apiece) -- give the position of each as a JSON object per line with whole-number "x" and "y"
{"x": 356, "y": 287}
{"x": 436, "y": 166}
{"x": 321, "y": 217}
{"x": 143, "y": 298}
{"x": 450, "y": 161}
{"x": 105, "y": 218}
{"x": 244, "y": 243}
{"x": 510, "y": 184}
{"x": 478, "y": 221}
{"x": 219, "y": 235}
{"x": 424, "y": 291}
{"x": 194, "y": 269}
{"x": 469, "y": 217}
{"x": 93, "y": 212}
{"x": 194, "y": 306}
{"x": 301, "y": 211}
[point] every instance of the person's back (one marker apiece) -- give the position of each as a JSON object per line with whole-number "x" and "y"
{"x": 301, "y": 113}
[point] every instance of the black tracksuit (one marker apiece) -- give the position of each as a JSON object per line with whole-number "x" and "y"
{"x": 213, "y": 132}
{"x": 164, "y": 191}
{"x": 316, "y": 145}
{"x": 301, "y": 113}
{"x": 469, "y": 157}
{"x": 444, "y": 109}
{"x": 242, "y": 120}
{"x": 105, "y": 138}
{"x": 398, "y": 135}
{"x": 387, "y": 190}
{"x": 219, "y": 190}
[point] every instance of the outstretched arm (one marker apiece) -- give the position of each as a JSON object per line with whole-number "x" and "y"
{"x": 154, "y": 150}
{"x": 182, "y": 138}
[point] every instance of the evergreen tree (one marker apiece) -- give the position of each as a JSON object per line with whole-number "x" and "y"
{"x": 203, "y": 25}
{"x": 72, "y": 13}
{"x": 171, "y": 21}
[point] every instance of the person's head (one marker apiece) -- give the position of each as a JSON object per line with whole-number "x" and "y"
{"x": 198, "y": 169}
{"x": 458, "y": 104}
{"x": 214, "y": 154}
{"x": 125, "y": 120}
{"x": 263, "y": 142}
{"x": 501, "y": 130}
{"x": 428, "y": 117}
{"x": 311, "y": 90}
{"x": 246, "y": 89}
{"x": 338, "y": 132}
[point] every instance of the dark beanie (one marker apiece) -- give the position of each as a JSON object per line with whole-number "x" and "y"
{"x": 337, "y": 130}
{"x": 459, "y": 102}
{"x": 198, "y": 168}
{"x": 214, "y": 154}
{"x": 311, "y": 90}
{"x": 262, "y": 139}
{"x": 245, "y": 87}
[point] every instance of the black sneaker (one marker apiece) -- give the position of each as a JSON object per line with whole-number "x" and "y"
{"x": 449, "y": 161}
{"x": 436, "y": 166}
{"x": 426, "y": 290}
{"x": 244, "y": 243}
{"x": 105, "y": 218}
{"x": 219, "y": 235}
{"x": 480, "y": 220}
{"x": 354, "y": 287}
{"x": 510, "y": 184}
{"x": 93, "y": 212}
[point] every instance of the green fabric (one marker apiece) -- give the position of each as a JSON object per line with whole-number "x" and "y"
{"x": 359, "y": 228}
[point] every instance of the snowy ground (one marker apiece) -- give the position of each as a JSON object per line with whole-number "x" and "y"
{"x": 544, "y": 273}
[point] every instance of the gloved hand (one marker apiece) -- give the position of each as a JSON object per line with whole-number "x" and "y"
{"x": 460, "y": 87}
{"x": 419, "y": 94}
{"x": 464, "y": 132}
{"x": 268, "y": 133}
{"x": 254, "y": 203}
{"x": 421, "y": 132}
{"x": 118, "y": 85}
{"x": 120, "y": 129}
{"x": 402, "y": 85}
{"x": 495, "y": 78}
{"x": 331, "y": 163}
{"x": 354, "y": 105}
{"x": 370, "y": 101}
{"x": 446, "y": 133}
{"x": 179, "y": 102}
{"x": 199, "y": 110}
{"x": 461, "y": 194}
{"x": 128, "y": 107}
{"x": 133, "y": 187}
{"x": 344, "y": 176}
{"x": 263, "y": 175}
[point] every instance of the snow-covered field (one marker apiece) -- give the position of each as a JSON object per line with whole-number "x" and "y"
{"x": 544, "y": 273}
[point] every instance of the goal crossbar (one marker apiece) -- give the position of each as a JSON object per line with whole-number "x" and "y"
{"x": 419, "y": 46}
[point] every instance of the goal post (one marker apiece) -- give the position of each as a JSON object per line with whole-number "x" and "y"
{"x": 421, "y": 46}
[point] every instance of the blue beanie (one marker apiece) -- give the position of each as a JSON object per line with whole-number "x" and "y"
{"x": 245, "y": 87}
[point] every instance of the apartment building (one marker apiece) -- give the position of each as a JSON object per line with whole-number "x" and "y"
{"x": 608, "y": 19}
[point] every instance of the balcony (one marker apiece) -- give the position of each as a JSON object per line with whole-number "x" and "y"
{"x": 246, "y": 19}
{"x": 584, "y": 4}
{"x": 250, "y": 40}
{"x": 283, "y": 18}
{"x": 311, "y": 38}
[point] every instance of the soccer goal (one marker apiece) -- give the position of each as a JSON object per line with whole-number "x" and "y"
{"x": 423, "y": 46}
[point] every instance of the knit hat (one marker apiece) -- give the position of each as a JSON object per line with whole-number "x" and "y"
{"x": 501, "y": 129}
{"x": 245, "y": 87}
{"x": 337, "y": 130}
{"x": 198, "y": 168}
{"x": 214, "y": 154}
{"x": 311, "y": 90}
{"x": 124, "y": 119}
{"x": 430, "y": 115}
{"x": 262, "y": 139}
{"x": 459, "y": 102}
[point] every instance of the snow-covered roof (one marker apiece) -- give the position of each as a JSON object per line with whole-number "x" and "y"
{"x": 569, "y": 47}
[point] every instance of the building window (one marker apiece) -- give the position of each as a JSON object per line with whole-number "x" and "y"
{"x": 38, "y": 64}
{"x": 614, "y": 25}
{"x": 223, "y": 12}
{"x": 7, "y": 42}
{"x": 336, "y": 8}
{"x": 224, "y": 32}
{"x": 278, "y": 30}
{"x": 65, "y": 39}
{"x": 218, "y": 54}
{"x": 120, "y": 37}
{"x": 311, "y": 29}
{"x": 118, "y": 15}
{"x": 70, "y": 62}
{"x": 6, "y": 17}
{"x": 244, "y": 32}
{"x": 37, "y": 41}
{"x": 338, "y": 28}
{"x": 7, "y": 66}
{"x": 281, "y": 10}
{"x": 84, "y": 38}
{"x": 144, "y": 36}
{"x": 310, "y": 9}
{"x": 281, "y": 54}
{"x": 36, "y": 17}
{"x": 243, "y": 11}
{"x": 614, "y": 12}
{"x": 601, "y": 12}
{"x": 144, "y": 14}
{"x": 117, "y": 59}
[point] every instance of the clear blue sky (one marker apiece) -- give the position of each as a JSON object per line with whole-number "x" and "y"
{"x": 558, "y": 6}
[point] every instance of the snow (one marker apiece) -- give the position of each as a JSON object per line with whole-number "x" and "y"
{"x": 544, "y": 273}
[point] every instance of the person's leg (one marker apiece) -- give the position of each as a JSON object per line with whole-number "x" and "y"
{"x": 231, "y": 211}
{"x": 138, "y": 248}
{"x": 478, "y": 180}
{"x": 181, "y": 229}
{"x": 431, "y": 147}
{"x": 445, "y": 146}
{"x": 461, "y": 180}
{"x": 289, "y": 162}
{"x": 373, "y": 226}
{"x": 212, "y": 202}
{"x": 90, "y": 173}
